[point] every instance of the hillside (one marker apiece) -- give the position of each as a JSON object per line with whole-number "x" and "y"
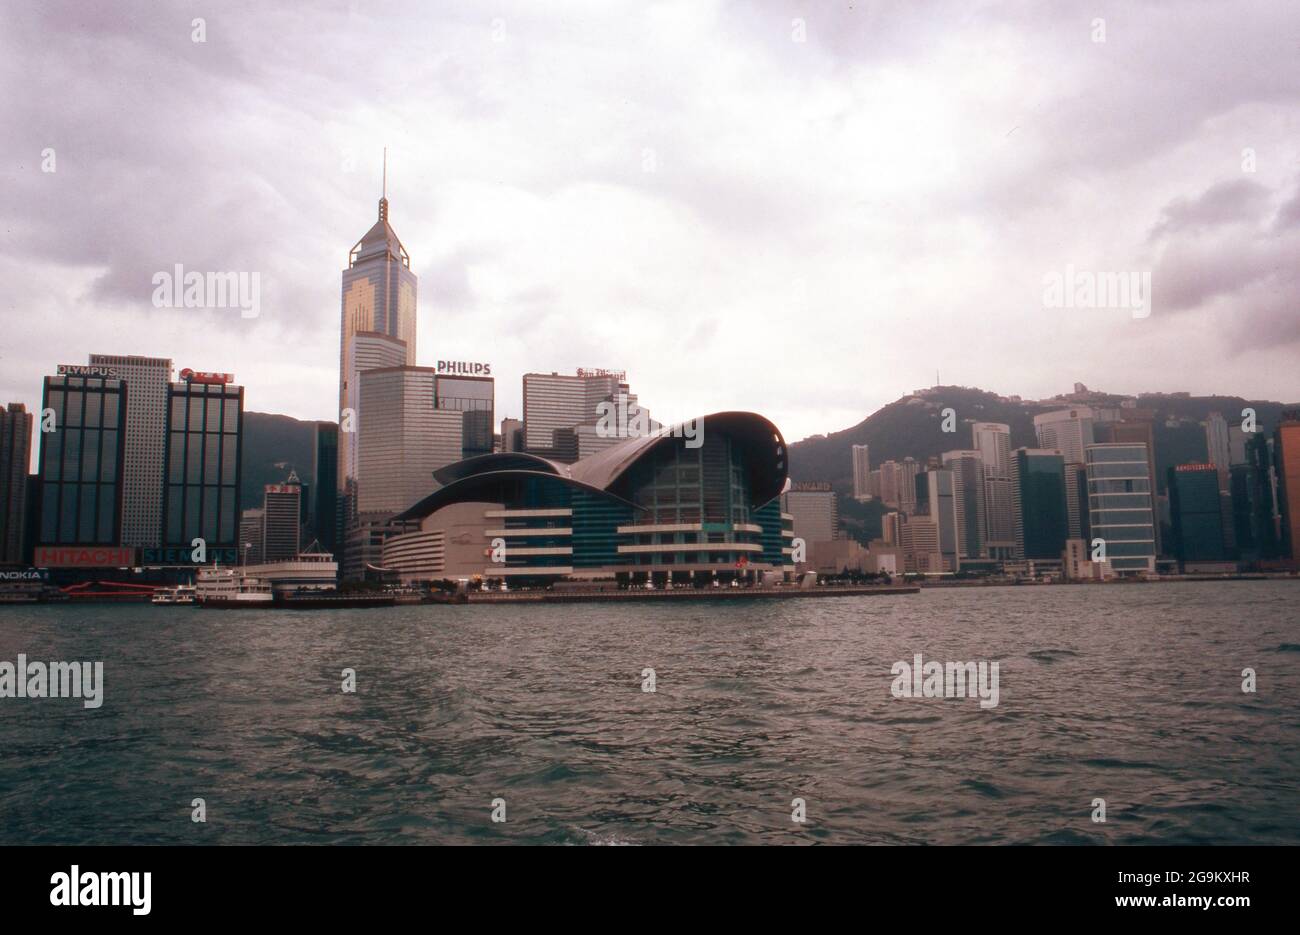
{"x": 274, "y": 445}
{"x": 912, "y": 426}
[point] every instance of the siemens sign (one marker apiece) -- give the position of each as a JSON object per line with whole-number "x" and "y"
{"x": 464, "y": 368}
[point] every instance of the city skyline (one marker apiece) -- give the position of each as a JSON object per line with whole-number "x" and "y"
{"x": 543, "y": 248}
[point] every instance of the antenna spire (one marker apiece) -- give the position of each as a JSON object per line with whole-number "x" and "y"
{"x": 383, "y": 200}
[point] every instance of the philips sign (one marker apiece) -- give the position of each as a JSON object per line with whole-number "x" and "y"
{"x": 464, "y": 368}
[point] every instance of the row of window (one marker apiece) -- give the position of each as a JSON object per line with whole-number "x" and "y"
{"x": 79, "y": 513}
{"x": 195, "y": 457}
{"x": 209, "y": 512}
{"x": 77, "y": 454}
{"x": 77, "y": 408}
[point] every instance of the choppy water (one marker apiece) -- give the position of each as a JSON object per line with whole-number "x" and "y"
{"x": 1131, "y": 694}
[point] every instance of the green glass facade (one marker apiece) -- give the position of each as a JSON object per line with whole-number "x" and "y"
{"x": 1042, "y": 521}
{"x": 81, "y": 460}
{"x": 204, "y": 433}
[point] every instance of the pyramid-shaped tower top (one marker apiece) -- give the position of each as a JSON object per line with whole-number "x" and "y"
{"x": 380, "y": 242}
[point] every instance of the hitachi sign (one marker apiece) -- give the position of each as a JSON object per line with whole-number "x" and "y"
{"x": 465, "y": 368}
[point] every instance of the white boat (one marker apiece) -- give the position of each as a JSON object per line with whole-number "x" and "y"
{"x": 181, "y": 594}
{"x": 231, "y": 587}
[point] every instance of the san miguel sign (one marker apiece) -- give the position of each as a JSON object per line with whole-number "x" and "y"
{"x": 203, "y": 376}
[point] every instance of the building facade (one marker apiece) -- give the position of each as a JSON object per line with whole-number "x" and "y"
{"x": 1197, "y": 518}
{"x": 205, "y": 426}
{"x": 648, "y": 510}
{"x": 281, "y": 522}
{"x": 377, "y": 301}
{"x": 967, "y": 469}
{"x": 1119, "y": 501}
{"x": 815, "y": 511}
{"x": 556, "y": 402}
{"x": 1038, "y": 508}
{"x": 861, "y": 472}
{"x": 146, "y": 379}
{"x": 325, "y": 517}
{"x": 474, "y": 397}
{"x": 15, "y": 456}
{"x": 403, "y": 438}
{"x": 1286, "y": 452}
{"x": 81, "y": 463}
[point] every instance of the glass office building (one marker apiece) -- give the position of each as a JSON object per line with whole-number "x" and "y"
{"x": 1194, "y": 504}
{"x": 81, "y": 460}
{"x": 204, "y": 437}
{"x": 1039, "y": 516}
{"x": 1119, "y": 505}
{"x": 475, "y": 397}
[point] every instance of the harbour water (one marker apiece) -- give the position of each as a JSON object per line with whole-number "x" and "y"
{"x": 1131, "y": 694}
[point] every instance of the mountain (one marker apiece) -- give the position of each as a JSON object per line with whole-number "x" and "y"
{"x": 912, "y": 425}
{"x": 273, "y": 446}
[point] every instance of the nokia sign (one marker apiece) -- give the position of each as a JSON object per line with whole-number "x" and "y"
{"x": 464, "y": 368}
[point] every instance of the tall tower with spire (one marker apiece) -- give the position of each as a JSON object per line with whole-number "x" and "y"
{"x": 378, "y": 327}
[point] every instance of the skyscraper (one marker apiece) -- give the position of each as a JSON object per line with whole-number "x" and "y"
{"x": 861, "y": 472}
{"x": 81, "y": 464}
{"x": 402, "y": 439}
{"x": 1120, "y": 512}
{"x": 325, "y": 505}
{"x": 1135, "y": 426}
{"x": 146, "y": 379}
{"x": 906, "y": 471}
{"x": 1286, "y": 448}
{"x": 512, "y": 434}
{"x": 554, "y": 402}
{"x": 1038, "y": 508}
{"x": 967, "y": 469}
{"x": 366, "y": 350}
{"x": 815, "y": 511}
{"x": 936, "y": 499}
{"x": 281, "y": 507}
{"x": 473, "y": 396}
{"x": 15, "y": 455}
{"x": 1260, "y": 501}
{"x": 1218, "y": 446}
{"x": 1069, "y": 431}
{"x": 378, "y": 300}
{"x": 1197, "y": 518}
{"x": 205, "y": 424}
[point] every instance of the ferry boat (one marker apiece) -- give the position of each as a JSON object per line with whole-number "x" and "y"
{"x": 181, "y": 594}
{"x": 231, "y": 587}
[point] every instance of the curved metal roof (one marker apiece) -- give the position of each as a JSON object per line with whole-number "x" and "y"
{"x": 499, "y": 461}
{"x": 765, "y": 452}
{"x": 486, "y": 484}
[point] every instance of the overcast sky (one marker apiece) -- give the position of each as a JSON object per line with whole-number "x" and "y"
{"x": 800, "y": 209}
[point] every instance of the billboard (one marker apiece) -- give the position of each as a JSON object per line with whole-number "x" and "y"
{"x": 203, "y": 376}
{"x": 86, "y": 370}
{"x": 464, "y": 368}
{"x": 185, "y": 556}
{"x": 83, "y": 556}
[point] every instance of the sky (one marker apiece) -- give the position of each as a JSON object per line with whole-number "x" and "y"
{"x": 806, "y": 210}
